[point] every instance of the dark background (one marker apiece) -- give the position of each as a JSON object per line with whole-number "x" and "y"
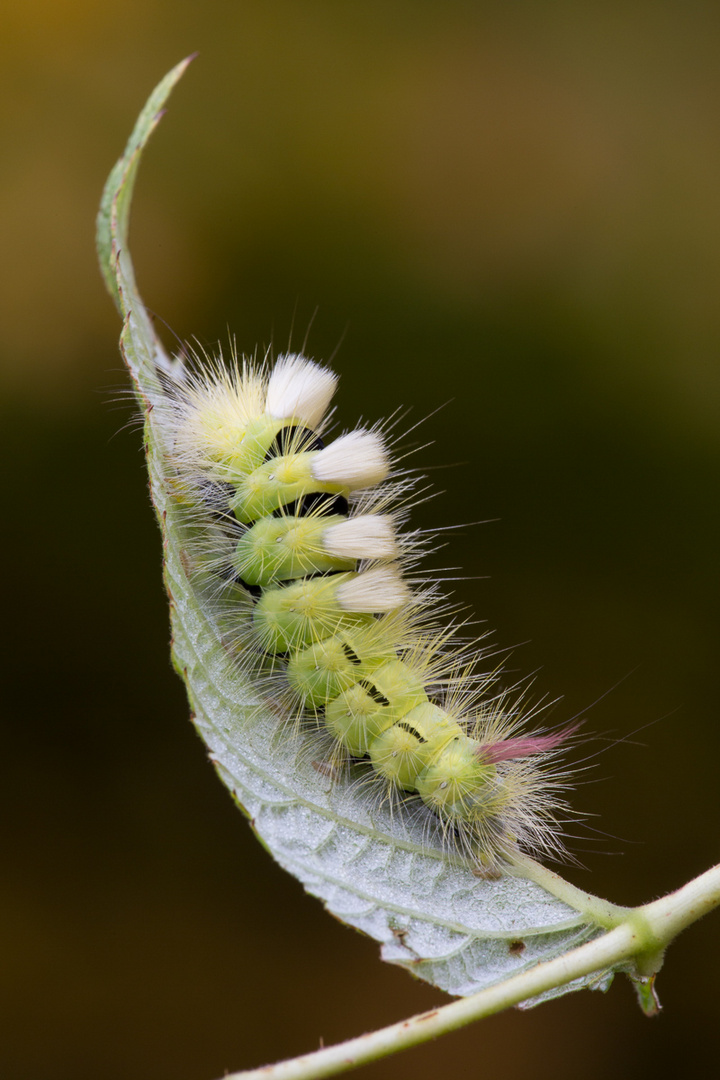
{"x": 511, "y": 210}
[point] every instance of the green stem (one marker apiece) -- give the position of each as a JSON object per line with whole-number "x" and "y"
{"x": 595, "y": 908}
{"x": 642, "y": 937}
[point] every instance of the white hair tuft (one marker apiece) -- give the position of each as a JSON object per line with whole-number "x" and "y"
{"x": 366, "y": 536}
{"x": 355, "y": 460}
{"x": 299, "y": 388}
{"x": 377, "y": 590}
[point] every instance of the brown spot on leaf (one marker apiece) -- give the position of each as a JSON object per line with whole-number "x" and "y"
{"x": 325, "y": 768}
{"x": 486, "y": 873}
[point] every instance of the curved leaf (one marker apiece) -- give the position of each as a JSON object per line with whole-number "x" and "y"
{"x": 371, "y": 869}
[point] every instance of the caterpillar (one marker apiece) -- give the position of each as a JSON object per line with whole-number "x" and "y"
{"x": 300, "y": 538}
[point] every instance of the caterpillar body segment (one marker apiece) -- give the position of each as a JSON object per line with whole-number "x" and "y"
{"x": 309, "y": 538}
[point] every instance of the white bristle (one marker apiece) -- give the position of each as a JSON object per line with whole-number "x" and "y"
{"x": 299, "y": 388}
{"x": 355, "y": 460}
{"x": 381, "y": 589}
{"x": 367, "y": 536}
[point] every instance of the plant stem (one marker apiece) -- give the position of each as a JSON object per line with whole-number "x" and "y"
{"x": 642, "y": 936}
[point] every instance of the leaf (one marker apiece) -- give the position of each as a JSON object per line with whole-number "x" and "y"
{"x": 370, "y": 868}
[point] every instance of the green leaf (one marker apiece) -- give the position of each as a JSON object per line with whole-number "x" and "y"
{"x": 371, "y": 869}
{"x": 113, "y": 218}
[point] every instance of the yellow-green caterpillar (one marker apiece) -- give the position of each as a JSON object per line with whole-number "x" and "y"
{"x": 302, "y": 542}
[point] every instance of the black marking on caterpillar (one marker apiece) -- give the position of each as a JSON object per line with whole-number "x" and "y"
{"x": 294, "y": 435}
{"x": 308, "y": 530}
{"x": 373, "y": 692}
{"x": 315, "y": 502}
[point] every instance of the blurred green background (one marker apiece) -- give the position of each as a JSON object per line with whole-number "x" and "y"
{"x": 509, "y": 210}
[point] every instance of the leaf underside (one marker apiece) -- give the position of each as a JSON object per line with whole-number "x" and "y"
{"x": 372, "y": 868}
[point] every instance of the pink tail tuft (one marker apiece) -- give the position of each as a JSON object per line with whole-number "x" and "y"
{"x": 507, "y": 749}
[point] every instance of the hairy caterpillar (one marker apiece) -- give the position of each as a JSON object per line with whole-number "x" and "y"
{"x": 298, "y": 538}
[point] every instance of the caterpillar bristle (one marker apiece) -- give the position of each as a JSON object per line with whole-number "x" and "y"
{"x": 298, "y": 545}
